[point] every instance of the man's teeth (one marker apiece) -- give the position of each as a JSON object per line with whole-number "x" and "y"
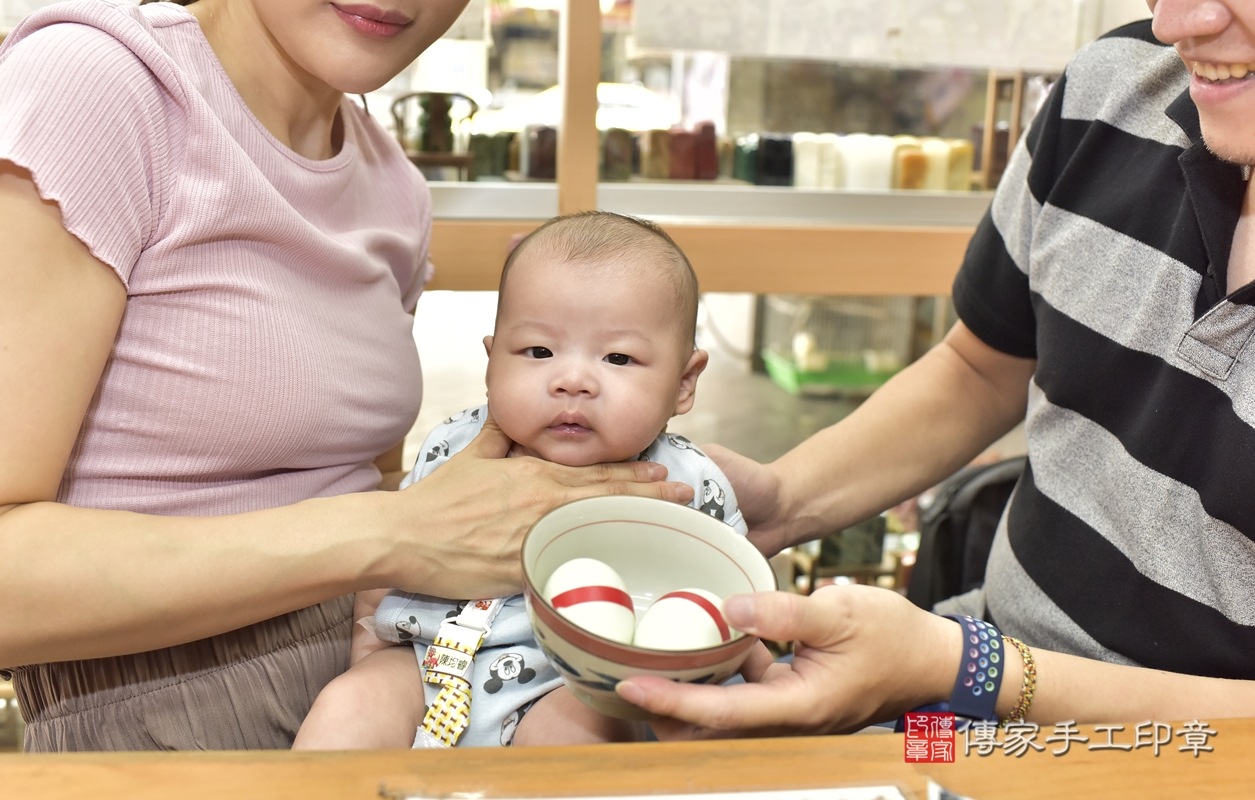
{"x": 1222, "y": 72}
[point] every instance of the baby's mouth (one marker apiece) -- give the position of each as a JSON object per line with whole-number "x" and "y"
{"x": 570, "y": 424}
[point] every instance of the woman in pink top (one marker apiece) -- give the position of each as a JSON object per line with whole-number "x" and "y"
{"x": 210, "y": 259}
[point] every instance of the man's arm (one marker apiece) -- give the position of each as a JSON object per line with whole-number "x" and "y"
{"x": 920, "y": 427}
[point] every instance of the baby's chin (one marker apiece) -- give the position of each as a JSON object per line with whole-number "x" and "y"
{"x": 580, "y": 456}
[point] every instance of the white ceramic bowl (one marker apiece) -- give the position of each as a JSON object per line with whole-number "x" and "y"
{"x": 657, "y": 547}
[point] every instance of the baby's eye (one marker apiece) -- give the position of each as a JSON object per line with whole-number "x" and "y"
{"x": 619, "y": 359}
{"x": 539, "y": 352}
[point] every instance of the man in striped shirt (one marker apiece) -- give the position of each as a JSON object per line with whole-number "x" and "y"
{"x": 1107, "y": 299}
{"x": 1109, "y": 258}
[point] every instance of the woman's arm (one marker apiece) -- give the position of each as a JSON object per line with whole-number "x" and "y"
{"x": 867, "y": 655}
{"x": 151, "y": 581}
{"x": 390, "y": 468}
{"x": 921, "y": 426}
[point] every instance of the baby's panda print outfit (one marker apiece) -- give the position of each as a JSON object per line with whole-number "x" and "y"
{"x": 511, "y": 671}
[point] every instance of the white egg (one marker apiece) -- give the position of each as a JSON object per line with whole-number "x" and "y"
{"x": 591, "y": 594}
{"x": 688, "y": 619}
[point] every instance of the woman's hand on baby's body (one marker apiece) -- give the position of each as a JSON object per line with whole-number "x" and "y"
{"x": 457, "y": 532}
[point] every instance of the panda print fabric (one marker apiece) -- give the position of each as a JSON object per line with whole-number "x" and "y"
{"x": 511, "y": 671}
{"x": 713, "y": 499}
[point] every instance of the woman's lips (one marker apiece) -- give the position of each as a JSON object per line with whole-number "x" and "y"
{"x": 372, "y": 21}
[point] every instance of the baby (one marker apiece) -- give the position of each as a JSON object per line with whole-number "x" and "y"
{"x": 592, "y": 354}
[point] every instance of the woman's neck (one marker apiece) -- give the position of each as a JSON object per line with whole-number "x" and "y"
{"x": 298, "y": 108}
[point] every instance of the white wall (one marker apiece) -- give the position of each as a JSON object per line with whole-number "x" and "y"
{"x": 12, "y": 11}
{"x": 1117, "y": 12}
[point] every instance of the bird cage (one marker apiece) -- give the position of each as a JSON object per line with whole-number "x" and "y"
{"x": 836, "y": 345}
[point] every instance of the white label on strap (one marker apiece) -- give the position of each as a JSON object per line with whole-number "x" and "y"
{"x": 447, "y": 661}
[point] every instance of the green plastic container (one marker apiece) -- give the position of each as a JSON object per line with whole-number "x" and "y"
{"x": 840, "y": 377}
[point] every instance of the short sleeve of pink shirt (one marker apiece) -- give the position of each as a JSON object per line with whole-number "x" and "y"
{"x": 265, "y": 355}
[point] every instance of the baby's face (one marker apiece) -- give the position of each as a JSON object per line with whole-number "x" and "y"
{"x": 587, "y": 365}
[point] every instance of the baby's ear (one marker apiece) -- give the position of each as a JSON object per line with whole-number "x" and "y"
{"x": 688, "y": 381}
{"x": 488, "y": 369}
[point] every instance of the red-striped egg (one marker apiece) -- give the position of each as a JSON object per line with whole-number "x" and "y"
{"x": 593, "y": 596}
{"x": 687, "y": 619}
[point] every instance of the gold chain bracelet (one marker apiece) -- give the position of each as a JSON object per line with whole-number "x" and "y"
{"x": 1028, "y": 686}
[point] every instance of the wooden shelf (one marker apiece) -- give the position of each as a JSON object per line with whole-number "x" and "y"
{"x": 762, "y": 259}
{"x": 713, "y": 202}
{"x": 763, "y": 240}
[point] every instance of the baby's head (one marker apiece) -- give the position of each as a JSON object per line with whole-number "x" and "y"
{"x": 593, "y": 350}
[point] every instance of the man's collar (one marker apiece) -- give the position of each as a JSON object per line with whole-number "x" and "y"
{"x": 1184, "y": 113}
{"x": 1215, "y": 188}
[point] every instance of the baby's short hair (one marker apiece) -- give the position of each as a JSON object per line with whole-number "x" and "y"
{"x": 604, "y": 236}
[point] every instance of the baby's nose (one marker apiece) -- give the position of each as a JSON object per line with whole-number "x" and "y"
{"x": 575, "y": 379}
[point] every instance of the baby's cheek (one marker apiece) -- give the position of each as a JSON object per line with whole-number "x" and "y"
{"x": 508, "y": 413}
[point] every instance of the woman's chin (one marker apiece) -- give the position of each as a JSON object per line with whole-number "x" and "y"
{"x": 360, "y": 84}
{"x": 358, "y": 70}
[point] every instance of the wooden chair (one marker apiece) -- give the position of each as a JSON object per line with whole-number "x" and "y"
{"x": 424, "y": 128}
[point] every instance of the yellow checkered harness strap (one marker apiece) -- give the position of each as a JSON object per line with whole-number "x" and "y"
{"x": 449, "y": 663}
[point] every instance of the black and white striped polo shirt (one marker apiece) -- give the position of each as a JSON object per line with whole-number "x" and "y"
{"x": 1104, "y": 257}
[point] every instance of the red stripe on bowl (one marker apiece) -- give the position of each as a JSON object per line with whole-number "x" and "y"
{"x": 593, "y": 594}
{"x": 706, "y": 606}
{"x": 629, "y": 656}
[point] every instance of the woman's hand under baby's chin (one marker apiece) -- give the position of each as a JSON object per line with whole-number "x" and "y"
{"x": 517, "y": 451}
{"x": 576, "y": 456}
{"x": 587, "y": 454}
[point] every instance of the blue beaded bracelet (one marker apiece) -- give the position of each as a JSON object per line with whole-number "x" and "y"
{"x": 980, "y": 674}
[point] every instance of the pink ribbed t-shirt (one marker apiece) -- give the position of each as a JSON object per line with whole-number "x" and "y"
{"x": 265, "y": 355}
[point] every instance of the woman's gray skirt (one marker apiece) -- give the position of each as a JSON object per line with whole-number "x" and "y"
{"x": 243, "y": 690}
